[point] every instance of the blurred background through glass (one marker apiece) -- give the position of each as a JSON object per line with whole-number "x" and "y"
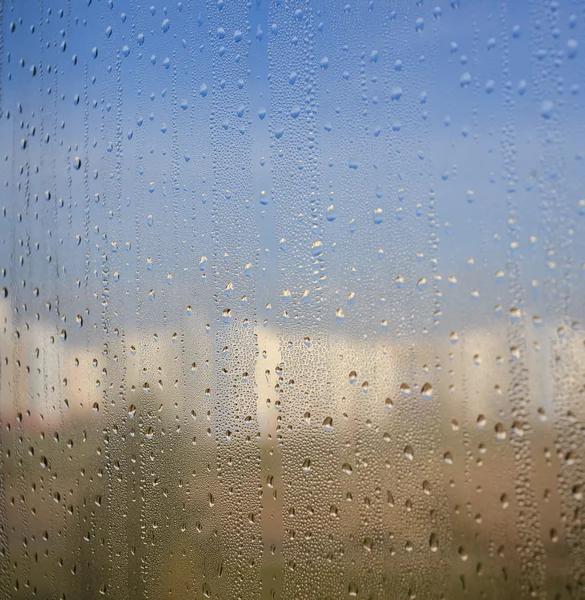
{"x": 292, "y": 299}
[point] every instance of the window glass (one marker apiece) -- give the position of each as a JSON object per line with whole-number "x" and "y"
{"x": 291, "y": 299}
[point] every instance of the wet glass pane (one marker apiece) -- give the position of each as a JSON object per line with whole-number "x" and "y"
{"x": 292, "y": 299}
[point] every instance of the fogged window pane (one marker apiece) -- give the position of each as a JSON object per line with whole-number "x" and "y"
{"x": 292, "y": 299}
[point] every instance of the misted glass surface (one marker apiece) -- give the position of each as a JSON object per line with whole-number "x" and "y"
{"x": 292, "y": 299}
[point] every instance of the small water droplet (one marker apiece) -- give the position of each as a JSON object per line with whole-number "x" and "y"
{"x": 405, "y": 389}
{"x": 500, "y": 431}
{"x": 427, "y": 391}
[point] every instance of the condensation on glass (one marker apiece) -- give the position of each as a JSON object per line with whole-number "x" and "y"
{"x": 292, "y": 299}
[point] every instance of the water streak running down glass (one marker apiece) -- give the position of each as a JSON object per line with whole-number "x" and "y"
{"x": 292, "y": 299}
